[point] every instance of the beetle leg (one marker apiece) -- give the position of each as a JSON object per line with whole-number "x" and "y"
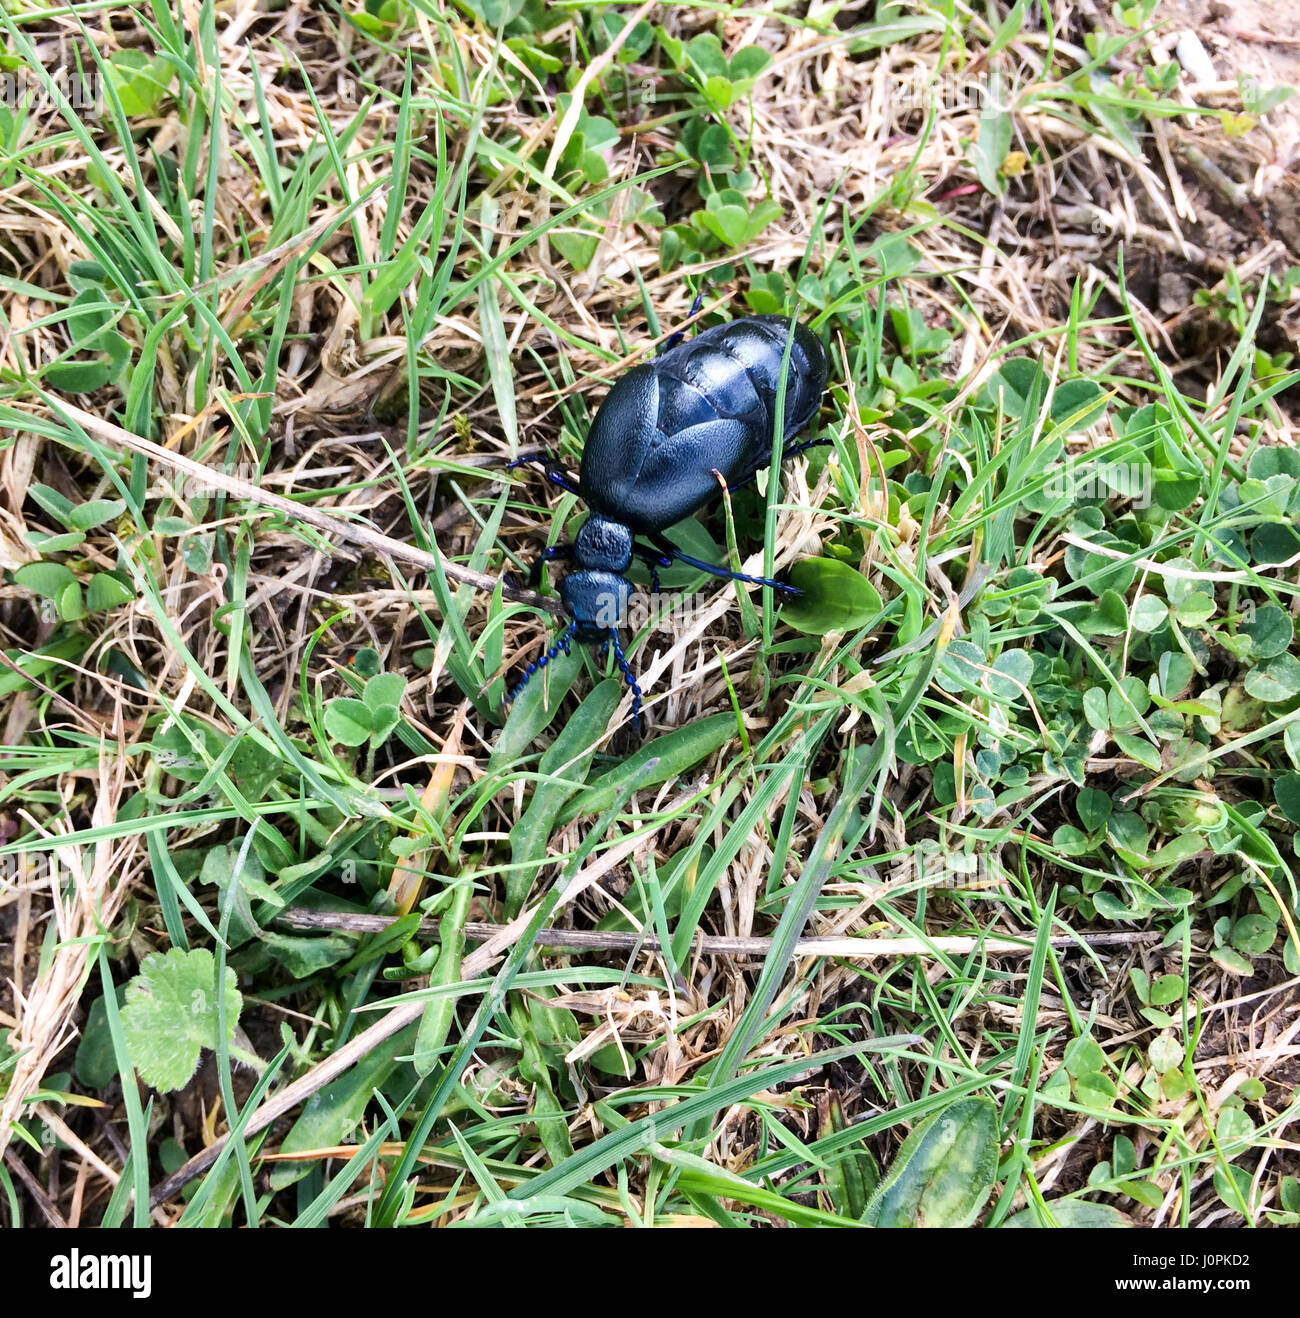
{"x": 746, "y": 480}
{"x": 548, "y": 555}
{"x": 554, "y": 472}
{"x": 558, "y": 476}
{"x": 796, "y": 449}
{"x": 678, "y": 335}
{"x": 559, "y": 646}
{"x": 715, "y": 570}
{"x": 653, "y": 559}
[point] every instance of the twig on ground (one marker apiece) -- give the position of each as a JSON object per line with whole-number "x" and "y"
{"x": 297, "y": 917}
{"x": 337, "y": 528}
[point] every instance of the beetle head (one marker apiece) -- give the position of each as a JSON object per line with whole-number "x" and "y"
{"x": 603, "y": 545}
{"x": 596, "y": 601}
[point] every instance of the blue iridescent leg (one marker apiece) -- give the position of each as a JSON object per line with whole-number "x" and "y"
{"x": 561, "y": 646}
{"x": 626, "y": 669}
{"x": 554, "y": 472}
{"x": 795, "y": 449}
{"x": 715, "y": 570}
{"x": 654, "y": 561}
{"x": 548, "y": 555}
{"x": 677, "y": 336}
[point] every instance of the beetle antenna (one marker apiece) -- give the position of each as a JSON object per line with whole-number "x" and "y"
{"x": 628, "y": 675}
{"x": 561, "y": 645}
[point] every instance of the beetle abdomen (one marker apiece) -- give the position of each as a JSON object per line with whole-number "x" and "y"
{"x": 733, "y": 371}
{"x": 707, "y": 405}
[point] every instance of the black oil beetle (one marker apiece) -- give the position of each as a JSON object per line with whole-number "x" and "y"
{"x": 704, "y": 406}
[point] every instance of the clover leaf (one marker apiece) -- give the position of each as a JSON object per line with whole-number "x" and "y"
{"x": 372, "y": 718}
{"x": 171, "y": 1012}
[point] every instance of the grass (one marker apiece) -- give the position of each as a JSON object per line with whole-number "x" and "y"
{"x": 993, "y": 828}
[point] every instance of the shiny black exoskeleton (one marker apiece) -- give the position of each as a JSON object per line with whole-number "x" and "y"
{"x": 663, "y": 435}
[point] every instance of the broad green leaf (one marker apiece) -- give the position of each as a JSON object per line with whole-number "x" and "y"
{"x": 170, "y": 1014}
{"x": 994, "y": 141}
{"x": 1143, "y": 752}
{"x": 385, "y": 719}
{"x": 384, "y": 690}
{"x": 1010, "y": 676}
{"x": 332, "y": 1112}
{"x": 1095, "y": 708}
{"x": 95, "y": 513}
{"x": 1286, "y": 792}
{"x": 96, "y": 1064}
{"x": 1196, "y": 609}
{"x": 1165, "y": 1052}
{"x": 1275, "y": 681}
{"x": 348, "y": 721}
{"x": 748, "y": 63}
{"x": 1274, "y": 543}
{"x": 1252, "y": 935}
{"x": 106, "y": 592}
{"x": 533, "y": 709}
{"x": 1126, "y": 830}
{"x": 119, "y": 351}
{"x": 674, "y": 753}
{"x": 1070, "y": 841}
{"x": 1270, "y": 631}
{"x": 58, "y": 505}
{"x": 961, "y": 668}
{"x": 1276, "y": 460}
{"x": 944, "y": 1172}
{"x": 1232, "y": 1185}
{"x": 1232, "y": 961}
{"x": 86, "y": 274}
{"x": 1094, "y": 807}
{"x": 69, "y": 602}
{"x": 1076, "y": 1213}
{"x": 1233, "y": 1124}
{"x": 77, "y": 377}
{"x": 719, "y": 92}
{"x": 834, "y": 597}
{"x": 1076, "y": 404}
{"x": 140, "y": 81}
{"x": 89, "y": 313}
{"x": 729, "y": 224}
{"x": 305, "y": 956}
{"x": 223, "y": 866}
{"x": 47, "y": 579}
{"x": 563, "y": 767}
{"x": 705, "y": 52}
{"x": 1174, "y": 493}
{"x": 1083, "y": 1056}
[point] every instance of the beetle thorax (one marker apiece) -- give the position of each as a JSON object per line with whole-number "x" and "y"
{"x": 597, "y": 601}
{"x": 603, "y": 545}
